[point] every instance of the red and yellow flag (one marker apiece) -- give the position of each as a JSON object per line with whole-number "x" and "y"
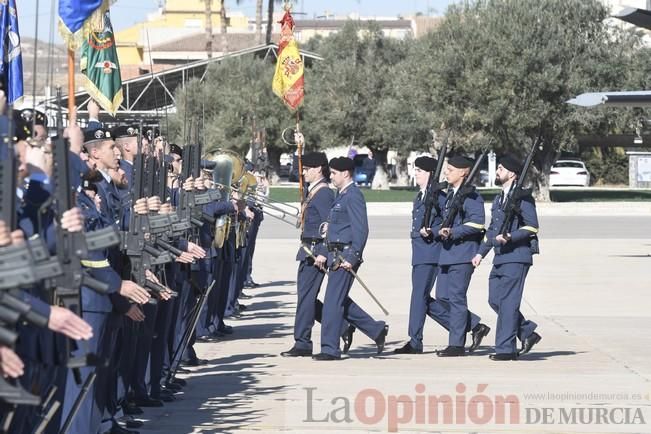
{"x": 288, "y": 81}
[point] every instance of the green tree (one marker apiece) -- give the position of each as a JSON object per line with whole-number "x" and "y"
{"x": 344, "y": 92}
{"x": 234, "y": 93}
{"x": 504, "y": 69}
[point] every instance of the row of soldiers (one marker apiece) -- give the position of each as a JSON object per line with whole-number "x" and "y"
{"x": 449, "y": 240}
{"x": 109, "y": 272}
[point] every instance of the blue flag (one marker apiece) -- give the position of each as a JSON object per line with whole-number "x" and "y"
{"x": 74, "y": 15}
{"x": 11, "y": 69}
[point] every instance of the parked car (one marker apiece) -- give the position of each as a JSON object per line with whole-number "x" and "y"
{"x": 569, "y": 173}
{"x": 363, "y": 172}
{"x": 285, "y": 167}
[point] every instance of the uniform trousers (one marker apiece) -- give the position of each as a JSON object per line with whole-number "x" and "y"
{"x": 452, "y": 288}
{"x": 505, "y": 287}
{"x": 338, "y": 307}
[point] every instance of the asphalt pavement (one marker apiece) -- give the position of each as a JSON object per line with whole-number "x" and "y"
{"x": 588, "y": 291}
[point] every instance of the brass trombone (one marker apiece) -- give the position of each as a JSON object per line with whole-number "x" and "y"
{"x": 282, "y": 211}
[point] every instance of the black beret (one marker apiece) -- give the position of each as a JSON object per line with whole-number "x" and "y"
{"x": 426, "y": 163}
{"x": 22, "y": 128}
{"x": 342, "y": 164}
{"x": 87, "y": 185}
{"x": 176, "y": 149}
{"x": 510, "y": 163}
{"x": 152, "y": 133}
{"x": 314, "y": 159}
{"x": 36, "y": 116}
{"x": 460, "y": 162}
{"x": 97, "y": 135}
{"x": 124, "y": 131}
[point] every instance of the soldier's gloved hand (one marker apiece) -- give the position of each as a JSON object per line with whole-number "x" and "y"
{"x": 445, "y": 233}
{"x": 346, "y": 265}
{"x": 166, "y": 208}
{"x": 425, "y": 232}
{"x": 199, "y": 184}
{"x": 17, "y": 237}
{"x": 134, "y": 292}
{"x": 98, "y": 202}
{"x": 140, "y": 207}
{"x": 503, "y": 239}
{"x": 10, "y": 363}
{"x": 159, "y": 145}
{"x": 37, "y": 161}
{"x": 196, "y": 251}
{"x": 188, "y": 184}
{"x": 151, "y": 276}
{"x": 75, "y": 136}
{"x": 67, "y": 323}
{"x": 299, "y": 138}
{"x": 135, "y": 313}
{"x": 249, "y": 213}
{"x": 72, "y": 220}
{"x": 185, "y": 258}
{"x": 164, "y": 295}
{"x": 320, "y": 262}
{"x": 153, "y": 203}
{"x": 5, "y": 235}
{"x": 476, "y": 260}
{"x": 93, "y": 109}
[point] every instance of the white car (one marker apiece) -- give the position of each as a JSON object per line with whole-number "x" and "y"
{"x": 569, "y": 173}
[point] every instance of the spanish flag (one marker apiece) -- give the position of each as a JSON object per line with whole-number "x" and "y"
{"x": 288, "y": 81}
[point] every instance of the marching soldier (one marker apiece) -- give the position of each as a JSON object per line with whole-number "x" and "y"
{"x": 459, "y": 245}
{"x": 311, "y": 271}
{"x": 346, "y": 236}
{"x": 513, "y": 257}
{"x": 425, "y": 250}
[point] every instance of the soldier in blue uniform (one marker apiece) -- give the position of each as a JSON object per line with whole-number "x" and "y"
{"x": 126, "y": 140}
{"x": 459, "y": 244}
{"x": 101, "y": 153}
{"x": 513, "y": 257}
{"x": 425, "y": 250}
{"x": 346, "y": 236}
{"x": 310, "y": 272}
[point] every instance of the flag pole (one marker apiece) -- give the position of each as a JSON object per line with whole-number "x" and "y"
{"x": 299, "y": 152}
{"x": 71, "y": 85}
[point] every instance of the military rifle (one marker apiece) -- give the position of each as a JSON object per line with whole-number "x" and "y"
{"x": 511, "y": 205}
{"x": 136, "y": 244}
{"x": 434, "y": 186}
{"x": 72, "y": 246}
{"x": 13, "y": 273}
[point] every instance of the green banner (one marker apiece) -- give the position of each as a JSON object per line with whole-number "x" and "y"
{"x": 100, "y": 66}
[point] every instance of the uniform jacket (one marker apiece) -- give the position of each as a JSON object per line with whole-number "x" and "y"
{"x": 467, "y": 231}
{"x": 348, "y": 224}
{"x": 425, "y": 251}
{"x": 316, "y": 212}
{"x": 523, "y": 230}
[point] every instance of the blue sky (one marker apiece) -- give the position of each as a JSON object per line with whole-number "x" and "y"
{"x": 125, "y": 13}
